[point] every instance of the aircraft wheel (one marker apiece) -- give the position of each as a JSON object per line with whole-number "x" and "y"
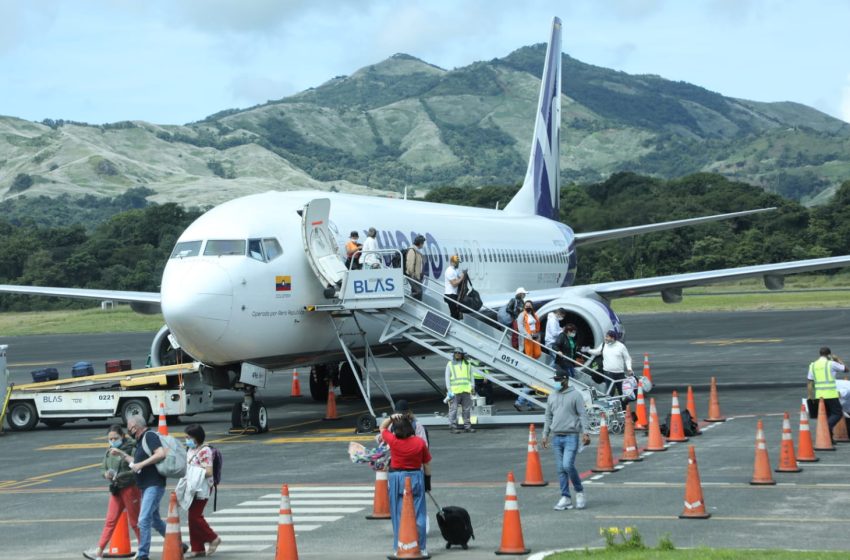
{"x": 347, "y": 384}
{"x": 22, "y": 416}
{"x": 319, "y": 383}
{"x": 259, "y": 416}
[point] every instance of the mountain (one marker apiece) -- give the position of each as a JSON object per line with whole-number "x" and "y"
{"x": 404, "y": 122}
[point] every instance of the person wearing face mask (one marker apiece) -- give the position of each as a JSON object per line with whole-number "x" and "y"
{"x": 124, "y": 494}
{"x": 566, "y": 350}
{"x": 566, "y": 420}
{"x": 616, "y": 361}
{"x": 200, "y": 456}
{"x": 529, "y": 328}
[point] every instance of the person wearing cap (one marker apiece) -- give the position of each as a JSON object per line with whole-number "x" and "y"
{"x": 413, "y": 265}
{"x": 454, "y": 277}
{"x": 616, "y": 361}
{"x": 459, "y": 385}
{"x": 821, "y": 384}
{"x": 369, "y": 257}
{"x": 403, "y": 407}
{"x": 352, "y": 251}
{"x": 565, "y": 420}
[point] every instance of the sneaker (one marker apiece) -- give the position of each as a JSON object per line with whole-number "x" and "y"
{"x": 455, "y": 431}
{"x": 581, "y": 503}
{"x": 517, "y": 407}
{"x": 564, "y": 503}
{"x": 469, "y": 430}
{"x": 213, "y": 545}
{"x": 93, "y": 554}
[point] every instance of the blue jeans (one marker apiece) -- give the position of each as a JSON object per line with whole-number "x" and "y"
{"x": 149, "y": 515}
{"x": 566, "y": 448}
{"x": 417, "y": 483}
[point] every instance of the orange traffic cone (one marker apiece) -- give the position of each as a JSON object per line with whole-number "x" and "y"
{"x": 805, "y": 449}
{"x": 677, "y": 429}
{"x": 642, "y": 421}
{"x": 533, "y": 470}
{"x": 692, "y": 409}
{"x": 381, "y": 501}
{"x": 119, "y": 544}
{"x": 286, "y": 549}
{"x": 172, "y": 548}
{"x": 823, "y": 439}
{"x": 604, "y": 460}
{"x": 714, "y": 404}
{"x": 787, "y": 460}
{"x": 163, "y": 425}
{"x": 512, "y": 541}
{"x": 694, "y": 501}
{"x": 630, "y": 450}
{"x": 296, "y": 385}
{"x": 330, "y": 413}
{"x": 761, "y": 468}
{"x": 646, "y": 372}
{"x": 408, "y": 534}
{"x": 655, "y": 442}
{"x": 839, "y": 432}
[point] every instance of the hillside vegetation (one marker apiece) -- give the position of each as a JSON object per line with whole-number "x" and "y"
{"x": 406, "y": 123}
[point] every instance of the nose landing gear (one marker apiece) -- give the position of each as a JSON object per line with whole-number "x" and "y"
{"x": 250, "y": 416}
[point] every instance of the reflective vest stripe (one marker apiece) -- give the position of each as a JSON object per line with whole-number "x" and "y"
{"x": 824, "y": 380}
{"x": 460, "y": 377}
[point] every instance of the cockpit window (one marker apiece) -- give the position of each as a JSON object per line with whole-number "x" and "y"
{"x": 224, "y": 247}
{"x": 255, "y": 250}
{"x": 272, "y": 248}
{"x": 186, "y": 249}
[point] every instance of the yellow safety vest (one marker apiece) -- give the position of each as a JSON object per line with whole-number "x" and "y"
{"x": 478, "y": 369}
{"x": 824, "y": 380}
{"x": 460, "y": 378}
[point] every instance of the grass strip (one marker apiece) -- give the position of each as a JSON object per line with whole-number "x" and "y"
{"x": 696, "y": 554}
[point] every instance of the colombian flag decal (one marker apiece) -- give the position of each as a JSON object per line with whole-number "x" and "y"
{"x": 282, "y": 283}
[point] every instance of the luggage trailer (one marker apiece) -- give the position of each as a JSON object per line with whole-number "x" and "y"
{"x": 105, "y": 396}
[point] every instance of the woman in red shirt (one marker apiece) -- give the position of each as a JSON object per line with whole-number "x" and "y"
{"x": 409, "y": 458}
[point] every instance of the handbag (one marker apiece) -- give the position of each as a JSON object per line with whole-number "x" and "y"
{"x": 473, "y": 300}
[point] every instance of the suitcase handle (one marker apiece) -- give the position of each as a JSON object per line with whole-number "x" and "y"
{"x": 433, "y": 500}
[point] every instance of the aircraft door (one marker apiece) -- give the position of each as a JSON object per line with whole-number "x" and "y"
{"x": 319, "y": 242}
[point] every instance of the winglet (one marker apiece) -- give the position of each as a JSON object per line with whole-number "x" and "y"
{"x": 540, "y": 192}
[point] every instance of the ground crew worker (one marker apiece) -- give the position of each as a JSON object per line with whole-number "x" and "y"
{"x": 413, "y": 266}
{"x": 483, "y": 387}
{"x": 459, "y": 386}
{"x": 566, "y": 419}
{"x": 821, "y": 384}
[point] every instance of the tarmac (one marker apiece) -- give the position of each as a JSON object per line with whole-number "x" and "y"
{"x": 52, "y": 501}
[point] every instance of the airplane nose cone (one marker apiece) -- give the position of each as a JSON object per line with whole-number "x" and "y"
{"x": 197, "y": 301}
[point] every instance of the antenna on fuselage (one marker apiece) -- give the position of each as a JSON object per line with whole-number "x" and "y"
{"x": 405, "y": 193}
{"x": 497, "y": 205}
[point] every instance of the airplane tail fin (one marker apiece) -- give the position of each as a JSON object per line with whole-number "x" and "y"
{"x": 540, "y": 192}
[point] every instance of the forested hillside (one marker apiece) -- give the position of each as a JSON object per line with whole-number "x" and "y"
{"x": 405, "y": 123}
{"x": 129, "y": 250}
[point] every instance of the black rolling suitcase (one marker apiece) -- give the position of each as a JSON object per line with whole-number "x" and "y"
{"x": 455, "y": 524}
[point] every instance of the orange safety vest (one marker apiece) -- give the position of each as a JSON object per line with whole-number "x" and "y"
{"x": 532, "y": 348}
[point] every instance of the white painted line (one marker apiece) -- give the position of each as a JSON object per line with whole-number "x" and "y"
{"x": 618, "y": 467}
{"x": 297, "y": 502}
{"x": 296, "y": 490}
{"x": 356, "y": 495}
{"x": 238, "y": 510}
{"x": 648, "y": 453}
{"x": 231, "y": 548}
{"x": 272, "y": 519}
{"x": 596, "y": 477}
{"x": 247, "y": 538}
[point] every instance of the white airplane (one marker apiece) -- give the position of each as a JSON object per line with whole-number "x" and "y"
{"x": 235, "y": 289}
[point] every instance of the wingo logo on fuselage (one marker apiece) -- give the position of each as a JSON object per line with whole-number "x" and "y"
{"x": 376, "y": 286}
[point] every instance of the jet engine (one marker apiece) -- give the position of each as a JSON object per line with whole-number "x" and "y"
{"x": 592, "y": 316}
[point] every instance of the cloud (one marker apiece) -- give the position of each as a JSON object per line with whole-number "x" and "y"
{"x": 21, "y": 21}
{"x": 253, "y": 89}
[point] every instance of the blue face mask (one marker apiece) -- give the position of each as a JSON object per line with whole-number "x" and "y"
{"x": 190, "y": 443}
{"x": 116, "y": 443}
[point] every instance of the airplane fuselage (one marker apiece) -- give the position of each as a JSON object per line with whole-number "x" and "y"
{"x": 225, "y": 303}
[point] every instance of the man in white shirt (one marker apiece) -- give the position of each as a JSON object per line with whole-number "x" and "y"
{"x": 616, "y": 360}
{"x": 368, "y": 257}
{"x": 453, "y": 279}
{"x": 553, "y": 329}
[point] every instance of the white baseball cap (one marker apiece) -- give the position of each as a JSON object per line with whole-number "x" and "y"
{"x": 520, "y": 290}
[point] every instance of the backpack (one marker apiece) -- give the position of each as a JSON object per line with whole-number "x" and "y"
{"x": 174, "y": 464}
{"x": 689, "y": 426}
{"x": 217, "y": 462}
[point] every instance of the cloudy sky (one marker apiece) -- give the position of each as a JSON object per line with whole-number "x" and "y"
{"x": 177, "y": 61}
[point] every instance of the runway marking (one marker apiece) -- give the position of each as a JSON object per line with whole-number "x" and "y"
{"x": 29, "y": 364}
{"x": 246, "y": 525}
{"x": 58, "y": 520}
{"x": 332, "y": 431}
{"x": 721, "y": 517}
{"x": 731, "y": 341}
{"x": 317, "y": 439}
{"x": 44, "y": 478}
{"x": 65, "y": 446}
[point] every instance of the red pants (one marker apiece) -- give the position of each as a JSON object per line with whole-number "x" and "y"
{"x": 130, "y": 499}
{"x": 199, "y": 531}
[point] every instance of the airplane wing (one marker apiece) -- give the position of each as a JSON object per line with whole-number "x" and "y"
{"x": 673, "y": 284}
{"x": 609, "y": 234}
{"x": 141, "y": 302}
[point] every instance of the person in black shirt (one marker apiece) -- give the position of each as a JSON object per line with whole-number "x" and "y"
{"x": 566, "y": 347}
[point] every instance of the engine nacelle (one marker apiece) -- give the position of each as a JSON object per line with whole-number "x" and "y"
{"x": 163, "y": 353}
{"x": 591, "y": 315}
